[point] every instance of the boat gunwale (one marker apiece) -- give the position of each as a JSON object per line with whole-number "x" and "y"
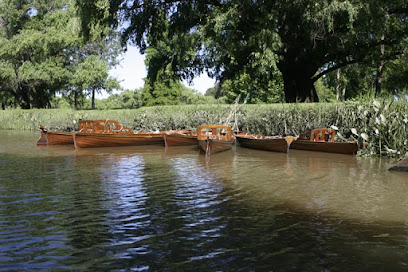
{"x": 118, "y": 135}
{"x": 64, "y": 133}
{"x": 318, "y": 142}
{"x": 262, "y": 137}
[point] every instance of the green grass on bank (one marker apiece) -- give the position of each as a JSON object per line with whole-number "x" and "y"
{"x": 382, "y": 124}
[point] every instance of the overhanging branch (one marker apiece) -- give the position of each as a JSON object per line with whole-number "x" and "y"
{"x": 136, "y": 5}
{"x": 342, "y": 64}
{"x": 333, "y": 68}
{"x": 399, "y": 10}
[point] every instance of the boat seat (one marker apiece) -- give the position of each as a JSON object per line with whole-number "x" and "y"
{"x": 322, "y": 135}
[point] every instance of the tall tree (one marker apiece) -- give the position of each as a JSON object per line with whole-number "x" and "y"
{"x": 162, "y": 86}
{"x": 306, "y": 38}
{"x": 41, "y": 49}
{"x": 33, "y": 38}
{"x": 90, "y": 61}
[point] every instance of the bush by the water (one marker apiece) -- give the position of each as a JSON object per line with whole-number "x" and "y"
{"x": 383, "y": 125}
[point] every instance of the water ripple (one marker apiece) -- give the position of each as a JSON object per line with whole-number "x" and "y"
{"x": 140, "y": 209}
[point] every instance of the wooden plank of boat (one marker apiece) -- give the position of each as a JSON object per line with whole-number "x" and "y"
{"x": 262, "y": 142}
{"x": 55, "y": 137}
{"x": 179, "y": 138}
{"x": 212, "y": 146}
{"x": 400, "y": 166}
{"x": 335, "y": 147}
{"x": 110, "y": 133}
{"x": 60, "y": 137}
{"x": 215, "y": 138}
{"x": 85, "y": 140}
{"x": 323, "y": 140}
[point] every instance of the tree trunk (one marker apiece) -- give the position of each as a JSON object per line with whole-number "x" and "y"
{"x": 379, "y": 78}
{"x": 338, "y": 84}
{"x": 343, "y": 93}
{"x": 298, "y": 86}
{"x": 3, "y": 106}
{"x": 76, "y": 99}
{"x": 56, "y": 101}
{"x": 299, "y": 58}
{"x": 93, "y": 99}
{"x": 23, "y": 98}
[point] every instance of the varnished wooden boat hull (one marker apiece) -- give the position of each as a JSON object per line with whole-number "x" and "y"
{"x": 215, "y": 146}
{"x": 273, "y": 144}
{"x": 56, "y": 138}
{"x": 177, "y": 139}
{"x": 331, "y": 147}
{"x": 85, "y": 140}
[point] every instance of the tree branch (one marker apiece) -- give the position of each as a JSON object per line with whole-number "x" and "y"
{"x": 342, "y": 64}
{"x": 135, "y": 6}
{"x": 338, "y": 66}
{"x": 400, "y": 10}
{"x": 365, "y": 47}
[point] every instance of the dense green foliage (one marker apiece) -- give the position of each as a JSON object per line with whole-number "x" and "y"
{"x": 274, "y": 50}
{"x": 133, "y": 99}
{"x": 260, "y": 46}
{"x": 383, "y": 125}
{"x": 42, "y": 53}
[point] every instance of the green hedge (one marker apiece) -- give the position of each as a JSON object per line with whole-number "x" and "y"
{"x": 382, "y": 124}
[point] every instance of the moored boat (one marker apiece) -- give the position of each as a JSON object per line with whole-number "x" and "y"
{"x": 83, "y": 140}
{"x": 262, "y": 142}
{"x": 109, "y": 133}
{"x": 215, "y": 138}
{"x": 55, "y": 137}
{"x": 323, "y": 140}
{"x": 178, "y": 138}
{"x": 50, "y": 137}
{"x": 400, "y": 166}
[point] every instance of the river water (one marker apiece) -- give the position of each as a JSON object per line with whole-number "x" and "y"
{"x": 151, "y": 209}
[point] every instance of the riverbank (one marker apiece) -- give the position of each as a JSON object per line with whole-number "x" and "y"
{"x": 382, "y": 124}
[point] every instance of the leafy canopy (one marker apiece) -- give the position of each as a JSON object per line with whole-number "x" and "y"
{"x": 42, "y": 53}
{"x": 294, "y": 42}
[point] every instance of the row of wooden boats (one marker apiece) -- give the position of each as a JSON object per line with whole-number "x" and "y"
{"x": 210, "y": 138}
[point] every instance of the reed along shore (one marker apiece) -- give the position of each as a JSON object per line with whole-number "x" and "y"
{"x": 383, "y": 125}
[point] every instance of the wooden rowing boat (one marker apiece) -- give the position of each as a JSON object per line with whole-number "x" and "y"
{"x": 323, "y": 140}
{"x": 83, "y": 140}
{"x": 55, "y": 137}
{"x": 262, "y": 142}
{"x": 109, "y": 133}
{"x": 215, "y": 138}
{"x": 178, "y": 138}
{"x": 49, "y": 137}
{"x": 400, "y": 166}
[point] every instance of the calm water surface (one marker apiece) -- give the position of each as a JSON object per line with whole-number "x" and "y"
{"x": 147, "y": 209}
